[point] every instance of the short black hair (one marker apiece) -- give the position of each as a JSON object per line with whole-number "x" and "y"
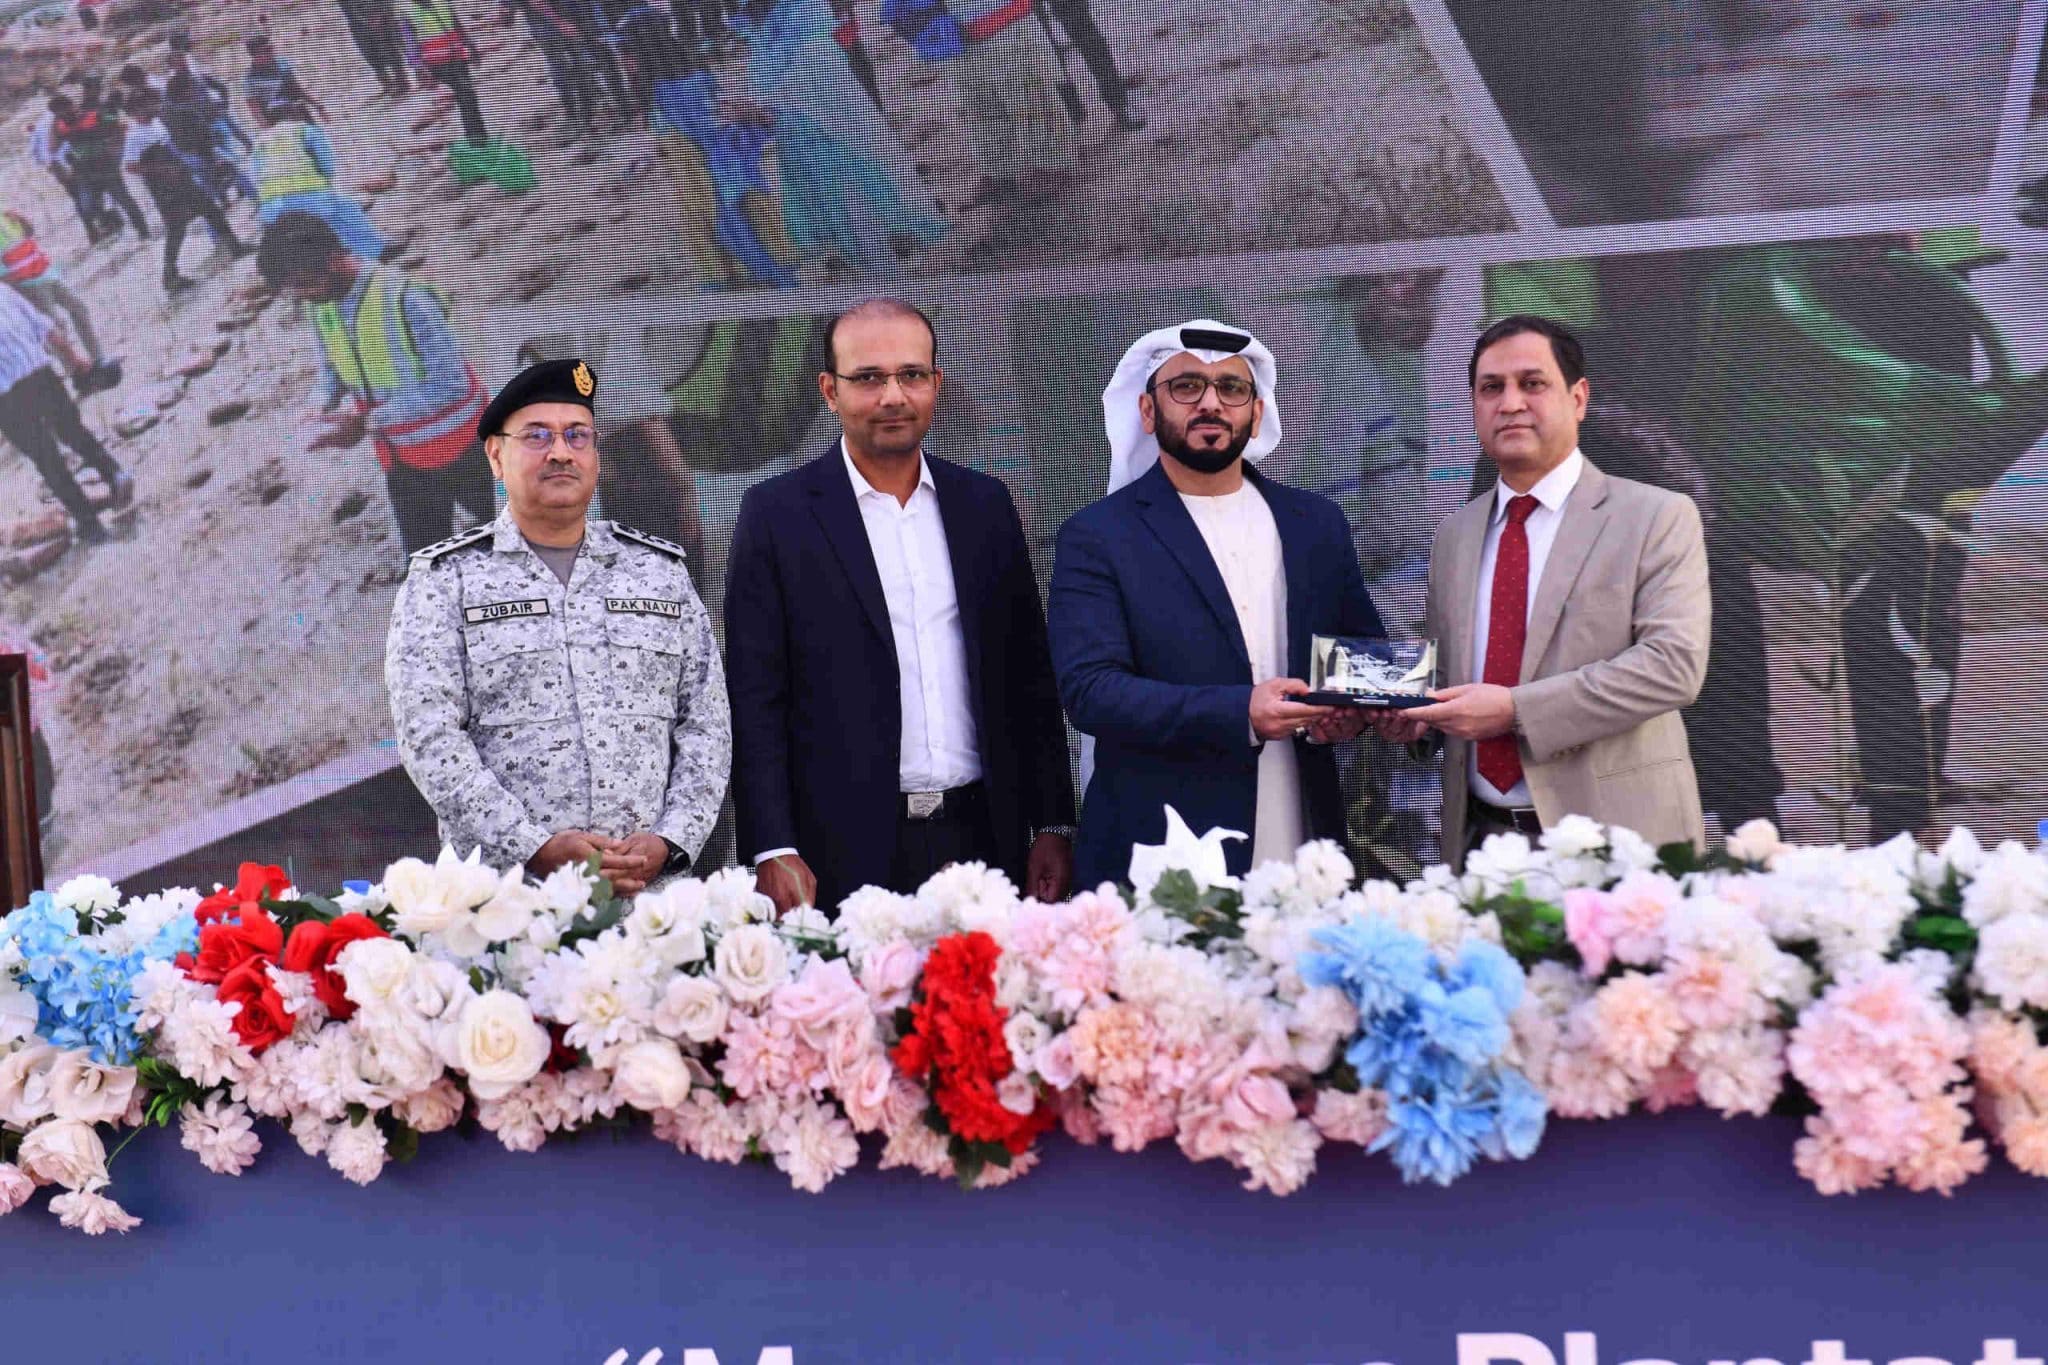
{"x": 1570, "y": 354}
{"x": 878, "y": 307}
{"x": 296, "y": 244}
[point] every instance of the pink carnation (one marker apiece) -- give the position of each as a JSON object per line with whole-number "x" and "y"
{"x": 1113, "y": 1045}
{"x": 1588, "y": 923}
{"x": 1358, "y": 1118}
{"x": 1637, "y": 907}
{"x": 765, "y": 1055}
{"x": 1711, "y": 992}
{"x": 1637, "y": 1023}
{"x": 1133, "y": 1118}
{"x": 1077, "y": 1117}
{"x": 1670, "y": 1087}
{"x": 1833, "y": 1169}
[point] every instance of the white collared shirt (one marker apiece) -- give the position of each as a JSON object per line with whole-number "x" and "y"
{"x": 939, "y": 745}
{"x": 1244, "y": 540}
{"x": 1550, "y": 493}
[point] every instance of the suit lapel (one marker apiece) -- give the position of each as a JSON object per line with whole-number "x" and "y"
{"x": 1290, "y": 516}
{"x": 1585, "y": 514}
{"x": 956, "y": 516}
{"x": 1464, "y": 542}
{"x": 1161, "y": 508}
{"x": 838, "y": 514}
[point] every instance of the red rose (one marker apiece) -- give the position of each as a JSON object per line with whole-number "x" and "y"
{"x": 225, "y": 946}
{"x": 314, "y": 947}
{"x": 263, "y": 1019}
{"x": 253, "y": 882}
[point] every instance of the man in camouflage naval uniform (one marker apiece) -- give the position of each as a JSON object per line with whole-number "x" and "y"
{"x": 554, "y": 680}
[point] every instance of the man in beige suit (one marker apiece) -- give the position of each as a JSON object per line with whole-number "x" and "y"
{"x": 1572, "y": 617}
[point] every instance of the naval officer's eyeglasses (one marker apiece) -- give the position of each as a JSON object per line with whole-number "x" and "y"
{"x": 540, "y": 440}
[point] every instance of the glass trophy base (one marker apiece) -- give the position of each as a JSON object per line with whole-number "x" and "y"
{"x": 1364, "y": 701}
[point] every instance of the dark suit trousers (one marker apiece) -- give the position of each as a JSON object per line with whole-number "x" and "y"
{"x": 925, "y": 846}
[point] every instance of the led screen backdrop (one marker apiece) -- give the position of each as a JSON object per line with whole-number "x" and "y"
{"x": 1803, "y": 241}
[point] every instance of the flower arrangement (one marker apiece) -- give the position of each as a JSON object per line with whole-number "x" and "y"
{"x": 1893, "y": 997}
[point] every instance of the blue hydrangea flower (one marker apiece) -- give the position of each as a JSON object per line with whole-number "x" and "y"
{"x": 1520, "y": 1112}
{"x": 1488, "y": 966}
{"x": 1465, "y": 1023}
{"x": 84, "y": 995}
{"x": 1373, "y": 961}
{"x": 1434, "y": 1139}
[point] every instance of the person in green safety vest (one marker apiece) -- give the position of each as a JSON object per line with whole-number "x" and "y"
{"x": 292, "y": 164}
{"x": 435, "y": 39}
{"x": 388, "y": 351}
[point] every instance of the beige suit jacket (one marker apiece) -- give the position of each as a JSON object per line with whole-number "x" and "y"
{"x": 1617, "y": 643}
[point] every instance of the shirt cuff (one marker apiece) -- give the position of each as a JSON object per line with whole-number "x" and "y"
{"x": 760, "y": 858}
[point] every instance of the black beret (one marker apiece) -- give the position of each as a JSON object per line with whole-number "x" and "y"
{"x": 551, "y": 381}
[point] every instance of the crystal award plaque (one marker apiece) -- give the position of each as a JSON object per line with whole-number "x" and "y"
{"x": 1353, "y": 670}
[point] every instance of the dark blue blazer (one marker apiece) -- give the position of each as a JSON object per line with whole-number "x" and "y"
{"x": 811, "y": 669}
{"x": 1152, "y": 663}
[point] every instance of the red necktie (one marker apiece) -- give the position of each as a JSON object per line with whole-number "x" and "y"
{"x": 1507, "y": 626}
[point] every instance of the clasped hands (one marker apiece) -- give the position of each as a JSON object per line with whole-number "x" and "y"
{"x": 629, "y": 863}
{"x": 1466, "y": 711}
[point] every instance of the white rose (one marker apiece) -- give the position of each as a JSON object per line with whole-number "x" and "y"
{"x": 82, "y": 1089}
{"x": 64, "y": 1152}
{"x": 25, "y": 1084}
{"x": 650, "y": 1075}
{"x": 750, "y": 962}
{"x": 670, "y": 923}
{"x": 1574, "y": 837}
{"x": 374, "y": 970}
{"x": 1754, "y": 841}
{"x": 1025, "y": 1033}
{"x": 511, "y": 908}
{"x": 692, "y": 1007}
{"x": 1324, "y": 869}
{"x": 433, "y": 988}
{"x": 496, "y": 1043}
{"x": 17, "y": 1012}
{"x": 420, "y": 902}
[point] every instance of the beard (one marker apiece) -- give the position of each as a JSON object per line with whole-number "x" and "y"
{"x": 1202, "y": 459}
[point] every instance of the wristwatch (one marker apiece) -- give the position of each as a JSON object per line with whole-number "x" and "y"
{"x": 678, "y": 861}
{"x": 1064, "y": 831}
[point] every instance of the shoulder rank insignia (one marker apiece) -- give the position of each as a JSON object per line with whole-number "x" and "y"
{"x": 667, "y": 547}
{"x": 428, "y": 554}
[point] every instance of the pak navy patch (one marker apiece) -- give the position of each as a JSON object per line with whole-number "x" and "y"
{"x": 499, "y": 611}
{"x": 667, "y": 547}
{"x": 644, "y": 606}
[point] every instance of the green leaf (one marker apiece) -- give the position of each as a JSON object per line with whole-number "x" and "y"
{"x": 401, "y": 1141}
{"x": 1949, "y": 933}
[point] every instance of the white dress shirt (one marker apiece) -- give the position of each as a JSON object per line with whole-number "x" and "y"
{"x": 940, "y": 749}
{"x": 1244, "y": 541}
{"x": 1550, "y": 493}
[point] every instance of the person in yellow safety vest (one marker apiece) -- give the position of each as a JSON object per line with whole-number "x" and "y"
{"x": 26, "y": 267}
{"x": 292, "y": 164}
{"x": 435, "y": 39}
{"x": 389, "y": 350}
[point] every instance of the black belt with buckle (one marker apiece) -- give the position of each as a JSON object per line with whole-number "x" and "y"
{"x": 946, "y": 805}
{"x": 1521, "y": 819}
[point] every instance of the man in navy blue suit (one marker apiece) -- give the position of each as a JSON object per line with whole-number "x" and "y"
{"x": 1182, "y": 607}
{"x": 893, "y": 702}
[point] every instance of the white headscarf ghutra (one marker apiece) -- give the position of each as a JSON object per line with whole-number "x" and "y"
{"x": 1132, "y": 449}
